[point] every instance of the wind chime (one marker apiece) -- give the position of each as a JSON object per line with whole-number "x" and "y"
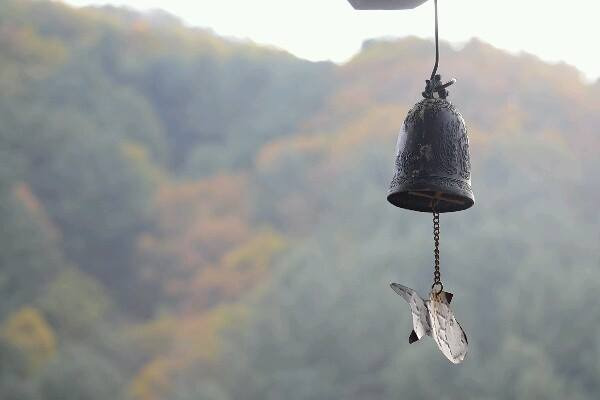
{"x": 433, "y": 174}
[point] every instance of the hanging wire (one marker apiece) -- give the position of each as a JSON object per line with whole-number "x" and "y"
{"x": 434, "y": 84}
{"x": 437, "y": 46}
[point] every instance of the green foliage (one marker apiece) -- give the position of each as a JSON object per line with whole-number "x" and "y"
{"x": 15, "y": 380}
{"x": 75, "y": 303}
{"x": 29, "y": 255}
{"x": 79, "y": 373}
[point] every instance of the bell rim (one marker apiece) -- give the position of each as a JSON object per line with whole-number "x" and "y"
{"x": 454, "y": 195}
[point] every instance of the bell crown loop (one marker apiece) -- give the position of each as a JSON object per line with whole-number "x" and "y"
{"x": 435, "y": 85}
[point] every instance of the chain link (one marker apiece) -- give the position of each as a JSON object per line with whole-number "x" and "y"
{"x": 437, "y": 277}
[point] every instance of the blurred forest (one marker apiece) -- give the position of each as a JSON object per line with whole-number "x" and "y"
{"x": 187, "y": 217}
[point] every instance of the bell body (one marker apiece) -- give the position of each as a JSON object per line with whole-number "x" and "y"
{"x": 433, "y": 165}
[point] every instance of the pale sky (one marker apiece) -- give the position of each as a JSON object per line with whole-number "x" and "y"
{"x": 554, "y": 30}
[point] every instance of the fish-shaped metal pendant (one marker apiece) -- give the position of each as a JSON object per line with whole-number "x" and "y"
{"x": 434, "y": 318}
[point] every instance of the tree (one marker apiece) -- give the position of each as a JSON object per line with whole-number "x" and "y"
{"x": 28, "y": 331}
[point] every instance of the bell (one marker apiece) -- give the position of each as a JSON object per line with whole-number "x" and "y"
{"x": 433, "y": 166}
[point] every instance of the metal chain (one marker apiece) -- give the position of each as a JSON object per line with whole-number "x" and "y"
{"x": 437, "y": 277}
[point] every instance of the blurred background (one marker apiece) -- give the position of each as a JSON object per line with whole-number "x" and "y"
{"x": 186, "y": 216}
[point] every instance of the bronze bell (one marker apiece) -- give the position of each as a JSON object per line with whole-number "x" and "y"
{"x": 433, "y": 166}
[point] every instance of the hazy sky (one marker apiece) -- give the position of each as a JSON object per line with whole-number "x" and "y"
{"x": 555, "y": 30}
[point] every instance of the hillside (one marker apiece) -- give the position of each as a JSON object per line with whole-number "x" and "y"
{"x": 189, "y": 217}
